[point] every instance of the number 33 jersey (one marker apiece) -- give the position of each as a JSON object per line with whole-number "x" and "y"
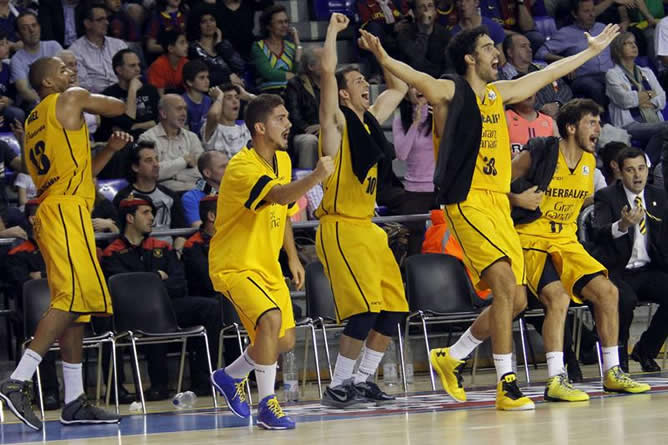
{"x": 563, "y": 200}
{"x": 58, "y": 160}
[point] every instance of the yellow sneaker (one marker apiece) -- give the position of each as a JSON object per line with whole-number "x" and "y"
{"x": 559, "y": 389}
{"x": 615, "y": 380}
{"x": 509, "y": 397}
{"x": 448, "y": 370}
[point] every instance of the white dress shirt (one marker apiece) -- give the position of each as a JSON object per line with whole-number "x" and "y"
{"x": 639, "y": 255}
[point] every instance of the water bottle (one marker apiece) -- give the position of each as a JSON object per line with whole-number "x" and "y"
{"x": 290, "y": 377}
{"x": 390, "y": 374}
{"x": 408, "y": 358}
{"x": 184, "y": 400}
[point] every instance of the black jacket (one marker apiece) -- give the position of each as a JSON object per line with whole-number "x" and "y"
{"x": 428, "y": 57}
{"x": 615, "y": 253}
{"x": 51, "y": 18}
{"x": 21, "y": 261}
{"x": 302, "y": 99}
{"x": 151, "y": 256}
{"x": 196, "y": 261}
{"x": 544, "y": 158}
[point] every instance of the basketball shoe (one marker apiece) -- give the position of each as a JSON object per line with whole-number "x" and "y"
{"x": 615, "y": 380}
{"x": 559, "y": 389}
{"x": 449, "y": 370}
{"x": 509, "y": 397}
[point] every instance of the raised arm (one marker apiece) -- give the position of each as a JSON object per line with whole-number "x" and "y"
{"x": 72, "y": 103}
{"x": 435, "y": 90}
{"x": 514, "y": 91}
{"x": 331, "y": 117}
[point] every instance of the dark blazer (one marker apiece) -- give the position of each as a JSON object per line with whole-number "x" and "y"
{"x": 615, "y": 253}
{"x": 52, "y": 20}
{"x": 431, "y": 58}
{"x": 302, "y": 100}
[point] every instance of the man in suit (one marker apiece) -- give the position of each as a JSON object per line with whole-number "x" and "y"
{"x": 632, "y": 242}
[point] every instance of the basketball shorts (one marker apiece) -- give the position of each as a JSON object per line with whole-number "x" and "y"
{"x": 64, "y": 232}
{"x": 485, "y": 230}
{"x": 571, "y": 261}
{"x": 252, "y": 296}
{"x": 360, "y": 267}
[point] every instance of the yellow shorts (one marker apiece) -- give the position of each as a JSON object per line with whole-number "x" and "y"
{"x": 253, "y": 296}
{"x": 570, "y": 259}
{"x": 360, "y": 266}
{"x": 64, "y": 232}
{"x": 485, "y": 230}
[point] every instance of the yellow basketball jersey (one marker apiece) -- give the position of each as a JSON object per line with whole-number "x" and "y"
{"x": 58, "y": 160}
{"x": 344, "y": 195}
{"x": 563, "y": 199}
{"x": 249, "y": 230}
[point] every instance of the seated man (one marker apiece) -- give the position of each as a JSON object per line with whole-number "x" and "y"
{"x": 211, "y": 165}
{"x": 135, "y": 251}
{"x": 220, "y": 131}
{"x": 632, "y": 242}
{"x": 177, "y": 148}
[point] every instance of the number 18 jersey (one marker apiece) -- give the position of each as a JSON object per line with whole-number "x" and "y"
{"x": 58, "y": 160}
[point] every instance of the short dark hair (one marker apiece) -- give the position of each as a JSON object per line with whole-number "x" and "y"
{"x": 259, "y": 108}
{"x": 95, "y": 4}
{"x": 207, "y": 204}
{"x": 230, "y": 86}
{"x": 25, "y": 13}
{"x": 341, "y": 75}
{"x": 573, "y": 111}
{"x": 134, "y": 156}
{"x": 129, "y": 206}
{"x": 192, "y": 69}
{"x": 204, "y": 161}
{"x": 463, "y": 44}
{"x": 607, "y": 154}
{"x": 39, "y": 70}
{"x": 267, "y": 15}
{"x": 629, "y": 153}
{"x": 507, "y": 44}
{"x": 119, "y": 58}
{"x": 169, "y": 37}
{"x": 575, "y": 4}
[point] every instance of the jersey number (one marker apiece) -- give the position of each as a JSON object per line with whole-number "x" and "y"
{"x": 556, "y": 227}
{"x": 371, "y": 188}
{"x": 39, "y": 159}
{"x": 489, "y": 168}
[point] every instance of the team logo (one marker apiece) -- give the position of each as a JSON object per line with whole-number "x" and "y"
{"x": 491, "y": 95}
{"x": 157, "y": 253}
{"x": 585, "y": 170}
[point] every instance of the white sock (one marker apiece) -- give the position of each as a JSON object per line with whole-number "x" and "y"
{"x": 464, "y": 346}
{"x": 72, "y": 381}
{"x": 343, "y": 370}
{"x": 610, "y": 357}
{"x": 27, "y": 366}
{"x": 368, "y": 364}
{"x": 555, "y": 363}
{"x": 265, "y": 375}
{"x": 241, "y": 367}
{"x": 503, "y": 364}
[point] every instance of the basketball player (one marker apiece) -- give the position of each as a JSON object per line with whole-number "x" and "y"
{"x": 365, "y": 278}
{"x": 256, "y": 197}
{"x": 473, "y": 176}
{"x": 58, "y": 158}
{"x": 558, "y": 268}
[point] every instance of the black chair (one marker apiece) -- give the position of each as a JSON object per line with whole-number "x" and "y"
{"x": 439, "y": 291}
{"x": 143, "y": 313}
{"x": 36, "y": 302}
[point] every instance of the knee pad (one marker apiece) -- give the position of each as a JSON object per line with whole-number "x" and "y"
{"x": 386, "y": 323}
{"x": 359, "y": 325}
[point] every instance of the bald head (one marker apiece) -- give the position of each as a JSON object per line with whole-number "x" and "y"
{"x": 173, "y": 111}
{"x": 42, "y": 70}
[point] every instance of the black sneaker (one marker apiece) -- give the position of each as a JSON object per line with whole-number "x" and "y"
{"x": 342, "y": 396}
{"x": 81, "y": 412}
{"x": 372, "y": 393}
{"x": 17, "y": 395}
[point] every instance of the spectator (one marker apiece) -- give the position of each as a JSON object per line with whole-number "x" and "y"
{"x": 412, "y": 136}
{"x": 237, "y": 18}
{"x": 136, "y": 251}
{"x": 220, "y": 131}
{"x": 211, "y": 165}
{"x": 169, "y": 15}
{"x": 517, "y": 50}
{"x": 166, "y": 72}
{"x": 208, "y": 45}
{"x": 10, "y": 113}
{"x": 95, "y": 50}
{"x": 525, "y": 123}
{"x": 141, "y": 100}
{"x": 177, "y": 147}
{"x": 608, "y": 156}
{"x": 636, "y": 98}
{"x": 104, "y": 215}
{"x": 33, "y": 48}
{"x": 590, "y": 77}
{"x": 8, "y": 15}
{"x": 121, "y": 25}
{"x": 632, "y": 245}
{"x": 143, "y": 171}
{"x": 302, "y": 99}
{"x": 468, "y": 13}
{"x": 72, "y": 64}
{"x": 274, "y": 56}
{"x": 61, "y": 20}
{"x": 422, "y": 43}
{"x": 196, "y": 81}
{"x": 25, "y": 263}
{"x": 446, "y": 10}
{"x": 8, "y": 159}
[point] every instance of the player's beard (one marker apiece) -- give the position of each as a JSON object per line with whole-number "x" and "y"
{"x": 584, "y": 143}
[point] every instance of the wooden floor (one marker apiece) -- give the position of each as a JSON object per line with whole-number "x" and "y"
{"x": 416, "y": 418}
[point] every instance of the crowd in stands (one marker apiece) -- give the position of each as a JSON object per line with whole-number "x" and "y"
{"x": 186, "y": 68}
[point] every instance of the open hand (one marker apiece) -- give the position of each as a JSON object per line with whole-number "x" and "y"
{"x": 601, "y": 41}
